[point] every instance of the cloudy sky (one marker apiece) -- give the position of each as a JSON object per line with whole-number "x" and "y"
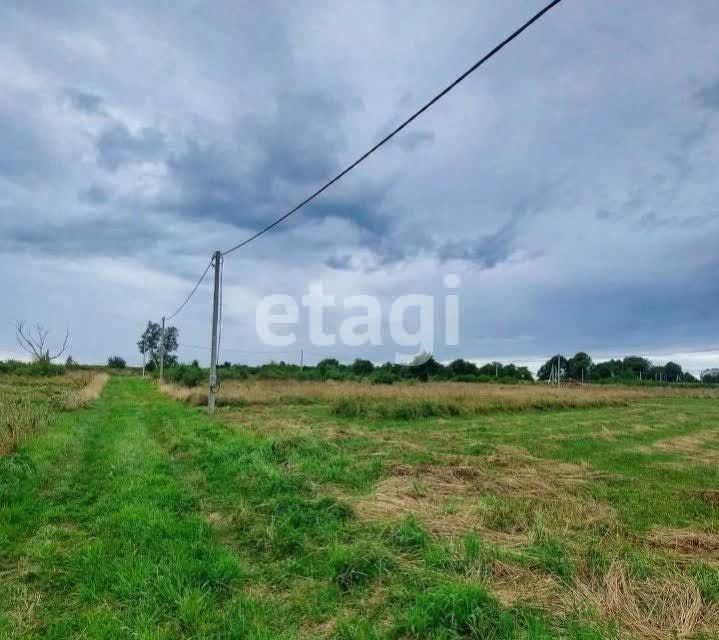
{"x": 571, "y": 183}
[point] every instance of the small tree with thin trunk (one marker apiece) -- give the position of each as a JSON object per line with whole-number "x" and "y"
{"x": 34, "y": 342}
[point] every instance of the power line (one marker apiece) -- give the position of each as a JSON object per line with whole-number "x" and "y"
{"x": 192, "y": 293}
{"x": 391, "y": 135}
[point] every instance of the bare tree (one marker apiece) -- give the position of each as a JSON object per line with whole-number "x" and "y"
{"x": 35, "y": 342}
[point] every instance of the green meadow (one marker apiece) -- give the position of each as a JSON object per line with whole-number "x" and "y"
{"x": 135, "y": 515}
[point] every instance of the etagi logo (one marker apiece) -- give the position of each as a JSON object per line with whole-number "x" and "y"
{"x": 361, "y": 324}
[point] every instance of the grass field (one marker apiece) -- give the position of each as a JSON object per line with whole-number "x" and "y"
{"x": 295, "y": 514}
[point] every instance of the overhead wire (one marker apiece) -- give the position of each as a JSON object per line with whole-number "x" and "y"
{"x": 358, "y": 161}
{"x": 399, "y": 128}
{"x": 192, "y": 293}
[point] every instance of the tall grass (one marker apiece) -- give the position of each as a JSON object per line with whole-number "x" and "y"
{"x": 27, "y": 402}
{"x": 411, "y": 401}
{"x": 20, "y": 418}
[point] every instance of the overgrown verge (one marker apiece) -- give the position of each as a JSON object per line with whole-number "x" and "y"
{"x": 407, "y": 400}
{"x": 28, "y": 403}
{"x": 19, "y": 419}
{"x": 87, "y": 394}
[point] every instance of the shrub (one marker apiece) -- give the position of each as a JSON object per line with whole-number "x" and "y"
{"x": 186, "y": 375}
{"x": 362, "y": 367}
{"x": 382, "y": 376}
{"x": 116, "y": 362}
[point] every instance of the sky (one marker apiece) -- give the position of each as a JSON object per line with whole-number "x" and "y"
{"x": 570, "y": 183}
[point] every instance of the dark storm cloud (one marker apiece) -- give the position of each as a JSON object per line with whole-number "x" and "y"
{"x": 117, "y": 146}
{"x": 267, "y": 164}
{"x": 82, "y": 238}
{"x": 24, "y": 154}
{"x": 84, "y": 101}
{"x": 709, "y": 96}
{"x": 488, "y": 250}
{"x": 416, "y": 138}
{"x": 154, "y": 135}
{"x": 340, "y": 263}
{"x": 94, "y": 195}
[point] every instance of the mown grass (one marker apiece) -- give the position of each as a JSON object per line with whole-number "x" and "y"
{"x": 142, "y": 517}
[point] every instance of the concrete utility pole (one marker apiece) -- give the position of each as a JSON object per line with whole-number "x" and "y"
{"x": 215, "y": 318}
{"x": 559, "y": 371}
{"x": 162, "y": 349}
{"x": 302, "y": 359}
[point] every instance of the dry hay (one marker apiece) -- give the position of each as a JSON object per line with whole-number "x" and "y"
{"x": 89, "y": 393}
{"x": 658, "y": 608}
{"x": 183, "y": 394}
{"x": 513, "y": 585}
{"x": 709, "y": 496}
{"x": 270, "y": 392}
{"x": 699, "y": 447}
{"x": 688, "y": 544}
{"x": 445, "y": 498}
{"x": 642, "y": 428}
{"x": 25, "y": 601}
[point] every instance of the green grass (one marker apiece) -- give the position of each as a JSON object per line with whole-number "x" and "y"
{"x": 140, "y": 517}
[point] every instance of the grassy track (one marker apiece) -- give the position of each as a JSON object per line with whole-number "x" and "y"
{"x": 102, "y": 540}
{"x": 141, "y": 518}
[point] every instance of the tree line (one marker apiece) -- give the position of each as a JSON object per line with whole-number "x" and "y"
{"x": 581, "y": 367}
{"x": 578, "y": 368}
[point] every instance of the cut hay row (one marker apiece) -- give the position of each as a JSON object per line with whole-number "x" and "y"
{"x": 89, "y": 393}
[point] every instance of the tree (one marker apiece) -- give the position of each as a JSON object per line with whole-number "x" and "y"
{"x": 327, "y": 364}
{"x": 149, "y": 344}
{"x": 508, "y": 370}
{"x": 362, "y": 367}
{"x": 545, "y": 371}
{"x": 461, "y": 367}
{"x": 424, "y": 366}
{"x": 490, "y": 369}
{"x": 672, "y": 372}
{"x": 636, "y": 366}
{"x": 523, "y": 373}
{"x": 116, "y": 362}
{"x": 607, "y": 369}
{"x": 579, "y": 366}
{"x": 34, "y": 342}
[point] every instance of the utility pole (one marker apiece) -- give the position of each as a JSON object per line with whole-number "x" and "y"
{"x": 162, "y": 349}
{"x": 559, "y": 371}
{"x": 217, "y": 258}
{"x": 496, "y": 369}
{"x": 302, "y": 359}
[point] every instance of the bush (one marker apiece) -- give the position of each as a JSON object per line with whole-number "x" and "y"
{"x": 116, "y": 362}
{"x": 382, "y": 376}
{"x": 186, "y": 375}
